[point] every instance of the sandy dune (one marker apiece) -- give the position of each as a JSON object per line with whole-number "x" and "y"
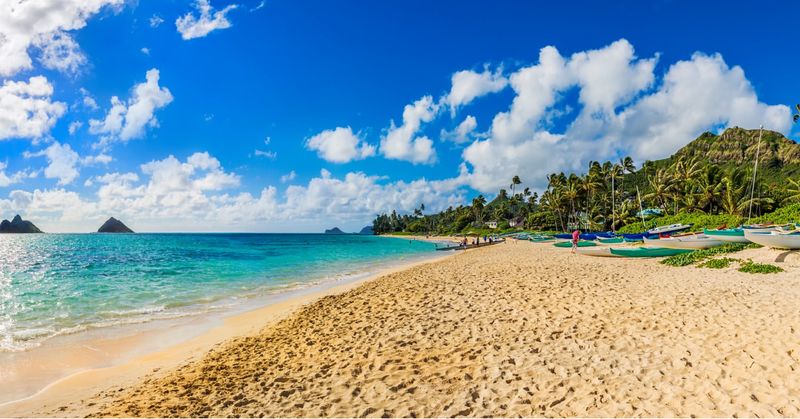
{"x": 513, "y": 329}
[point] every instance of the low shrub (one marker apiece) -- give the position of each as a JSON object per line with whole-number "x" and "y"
{"x": 691, "y": 258}
{"x": 759, "y": 268}
{"x": 787, "y": 214}
{"x": 719, "y": 263}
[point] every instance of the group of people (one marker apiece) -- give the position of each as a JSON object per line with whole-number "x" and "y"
{"x": 477, "y": 241}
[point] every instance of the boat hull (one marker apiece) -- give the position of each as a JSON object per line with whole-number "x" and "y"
{"x": 646, "y": 252}
{"x": 775, "y": 240}
{"x": 687, "y": 242}
{"x": 581, "y": 243}
{"x": 672, "y": 228}
{"x": 597, "y": 252}
{"x": 541, "y": 239}
{"x": 731, "y": 235}
{"x": 607, "y": 242}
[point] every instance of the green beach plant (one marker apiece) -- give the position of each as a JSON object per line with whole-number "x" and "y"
{"x": 718, "y": 263}
{"x": 759, "y": 268}
{"x": 686, "y": 259}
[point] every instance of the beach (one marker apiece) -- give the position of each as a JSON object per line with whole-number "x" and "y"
{"x": 512, "y": 329}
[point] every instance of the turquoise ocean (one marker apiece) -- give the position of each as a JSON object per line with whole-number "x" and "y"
{"x": 57, "y": 284}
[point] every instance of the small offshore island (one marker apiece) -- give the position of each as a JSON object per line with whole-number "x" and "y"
{"x": 18, "y": 225}
{"x": 112, "y": 225}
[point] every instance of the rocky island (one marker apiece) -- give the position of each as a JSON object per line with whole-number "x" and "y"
{"x": 18, "y": 225}
{"x": 334, "y": 230}
{"x": 112, "y": 225}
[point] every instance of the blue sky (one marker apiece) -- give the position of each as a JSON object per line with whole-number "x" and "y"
{"x": 289, "y": 115}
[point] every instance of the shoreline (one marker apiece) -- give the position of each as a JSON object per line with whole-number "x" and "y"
{"x": 215, "y": 329}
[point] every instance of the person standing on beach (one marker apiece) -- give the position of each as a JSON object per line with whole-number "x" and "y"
{"x": 576, "y": 235}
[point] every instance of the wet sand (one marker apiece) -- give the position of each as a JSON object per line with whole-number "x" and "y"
{"x": 513, "y": 329}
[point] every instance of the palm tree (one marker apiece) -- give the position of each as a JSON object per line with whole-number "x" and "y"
{"x": 615, "y": 171}
{"x": 589, "y": 184}
{"x": 514, "y": 182}
{"x": 552, "y": 202}
{"x": 793, "y": 190}
{"x": 661, "y": 186}
{"x": 684, "y": 174}
{"x": 733, "y": 191}
{"x": 734, "y": 198}
{"x": 797, "y": 115}
{"x": 706, "y": 190}
{"x": 627, "y": 164}
{"x": 571, "y": 192}
{"x": 502, "y": 195}
{"x": 477, "y": 207}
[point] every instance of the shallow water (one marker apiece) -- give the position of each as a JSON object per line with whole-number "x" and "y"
{"x": 56, "y": 284}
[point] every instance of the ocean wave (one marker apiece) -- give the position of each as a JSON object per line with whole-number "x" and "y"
{"x": 82, "y": 301}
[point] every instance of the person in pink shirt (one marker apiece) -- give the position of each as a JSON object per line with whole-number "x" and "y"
{"x": 576, "y": 235}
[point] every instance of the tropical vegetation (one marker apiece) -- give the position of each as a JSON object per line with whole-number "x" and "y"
{"x": 710, "y": 182}
{"x": 686, "y": 259}
{"x": 759, "y": 268}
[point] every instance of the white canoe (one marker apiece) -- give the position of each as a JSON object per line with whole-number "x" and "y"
{"x": 597, "y": 251}
{"x": 669, "y": 229}
{"x": 695, "y": 241}
{"x": 774, "y": 239}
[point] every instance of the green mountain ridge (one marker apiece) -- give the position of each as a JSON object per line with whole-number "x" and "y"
{"x": 739, "y": 146}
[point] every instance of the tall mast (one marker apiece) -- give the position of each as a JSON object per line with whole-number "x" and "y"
{"x": 755, "y": 169}
{"x": 613, "y": 210}
{"x": 641, "y": 210}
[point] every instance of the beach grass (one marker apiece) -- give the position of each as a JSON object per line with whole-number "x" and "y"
{"x": 719, "y": 263}
{"x": 697, "y": 256}
{"x": 759, "y": 268}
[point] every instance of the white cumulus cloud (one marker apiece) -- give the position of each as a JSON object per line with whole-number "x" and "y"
{"x": 26, "y": 108}
{"x": 288, "y": 177}
{"x": 62, "y": 161}
{"x": 128, "y": 120}
{"x": 59, "y": 52}
{"x": 198, "y": 194}
{"x": 401, "y": 142}
{"x": 626, "y": 110}
{"x": 155, "y": 21}
{"x": 467, "y": 85}
{"x": 463, "y": 132}
{"x": 41, "y": 26}
{"x": 16, "y": 177}
{"x": 340, "y": 145}
{"x": 191, "y": 26}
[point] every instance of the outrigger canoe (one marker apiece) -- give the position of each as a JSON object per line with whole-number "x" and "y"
{"x": 541, "y": 239}
{"x": 634, "y": 237}
{"x": 586, "y": 236}
{"x": 597, "y": 251}
{"x": 775, "y": 239}
{"x": 672, "y": 228}
{"x": 692, "y": 242}
{"x": 646, "y": 252}
{"x": 730, "y": 235}
{"x": 581, "y": 243}
{"x": 614, "y": 240}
